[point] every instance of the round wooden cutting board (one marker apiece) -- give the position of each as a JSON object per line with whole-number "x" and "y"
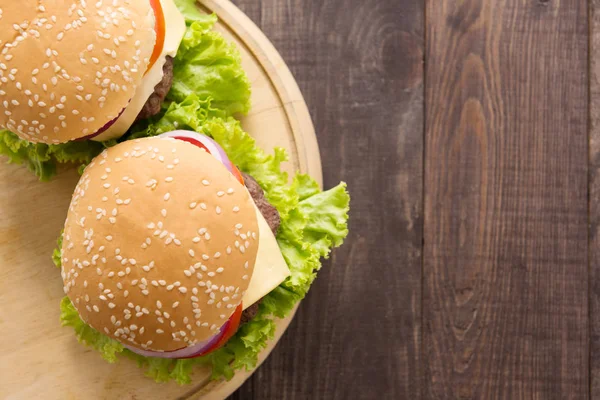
{"x": 39, "y": 358}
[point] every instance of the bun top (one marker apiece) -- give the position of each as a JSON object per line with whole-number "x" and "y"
{"x": 67, "y": 68}
{"x": 159, "y": 244}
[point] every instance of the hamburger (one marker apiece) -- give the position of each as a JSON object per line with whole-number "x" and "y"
{"x": 73, "y": 70}
{"x": 168, "y": 248}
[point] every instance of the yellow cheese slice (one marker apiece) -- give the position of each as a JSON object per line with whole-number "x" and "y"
{"x": 270, "y": 269}
{"x": 175, "y": 29}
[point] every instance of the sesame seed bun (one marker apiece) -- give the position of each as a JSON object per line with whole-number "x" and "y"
{"x": 67, "y": 68}
{"x": 151, "y": 255}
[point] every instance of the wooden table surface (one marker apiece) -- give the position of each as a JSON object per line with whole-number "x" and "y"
{"x": 469, "y": 134}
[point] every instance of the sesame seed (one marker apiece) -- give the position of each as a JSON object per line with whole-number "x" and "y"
{"x": 182, "y": 290}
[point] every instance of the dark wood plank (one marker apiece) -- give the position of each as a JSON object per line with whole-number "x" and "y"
{"x": 360, "y": 67}
{"x": 595, "y": 200}
{"x": 505, "y": 306}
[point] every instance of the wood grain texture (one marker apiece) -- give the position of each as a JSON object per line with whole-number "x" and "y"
{"x": 594, "y": 195}
{"x": 505, "y": 302}
{"x": 360, "y": 67}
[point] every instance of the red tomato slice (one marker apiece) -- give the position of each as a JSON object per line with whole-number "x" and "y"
{"x": 232, "y": 326}
{"x": 238, "y": 174}
{"x": 160, "y": 32}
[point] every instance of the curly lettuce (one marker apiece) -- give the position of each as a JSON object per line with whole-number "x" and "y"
{"x": 312, "y": 223}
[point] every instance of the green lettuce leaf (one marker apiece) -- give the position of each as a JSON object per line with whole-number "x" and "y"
{"x": 206, "y": 64}
{"x": 210, "y": 67}
{"x": 56, "y": 254}
{"x": 42, "y": 159}
{"x": 107, "y": 347}
{"x": 191, "y": 12}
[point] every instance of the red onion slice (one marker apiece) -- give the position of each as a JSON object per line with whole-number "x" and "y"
{"x": 186, "y": 352}
{"x": 213, "y": 147}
